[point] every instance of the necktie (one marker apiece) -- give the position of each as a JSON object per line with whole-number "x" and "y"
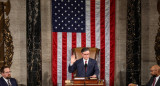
{"x": 9, "y": 84}
{"x": 154, "y": 82}
{"x": 85, "y": 65}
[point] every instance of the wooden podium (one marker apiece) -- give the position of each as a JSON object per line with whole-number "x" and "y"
{"x": 85, "y": 82}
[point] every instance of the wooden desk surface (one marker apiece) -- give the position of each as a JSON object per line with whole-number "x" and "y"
{"x": 87, "y": 82}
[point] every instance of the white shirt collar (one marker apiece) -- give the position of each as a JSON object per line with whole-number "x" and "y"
{"x": 85, "y": 60}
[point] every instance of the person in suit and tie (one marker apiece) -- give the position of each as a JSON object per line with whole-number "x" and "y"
{"x": 6, "y": 79}
{"x": 86, "y": 67}
{"x": 155, "y": 79}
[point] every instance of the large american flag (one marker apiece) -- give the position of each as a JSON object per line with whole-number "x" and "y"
{"x": 82, "y": 23}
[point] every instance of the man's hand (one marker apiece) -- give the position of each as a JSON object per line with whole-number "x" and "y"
{"x": 94, "y": 76}
{"x": 73, "y": 59}
{"x": 131, "y": 84}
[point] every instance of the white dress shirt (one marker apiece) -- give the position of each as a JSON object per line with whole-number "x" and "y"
{"x": 85, "y": 60}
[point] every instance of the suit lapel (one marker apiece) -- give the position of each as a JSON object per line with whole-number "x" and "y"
{"x": 158, "y": 82}
{"x": 89, "y": 64}
{"x": 3, "y": 82}
{"x": 11, "y": 80}
{"x": 82, "y": 63}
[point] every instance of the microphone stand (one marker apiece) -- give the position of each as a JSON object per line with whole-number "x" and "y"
{"x": 85, "y": 74}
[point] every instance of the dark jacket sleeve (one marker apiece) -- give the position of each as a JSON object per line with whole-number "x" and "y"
{"x": 72, "y": 68}
{"x": 1, "y": 84}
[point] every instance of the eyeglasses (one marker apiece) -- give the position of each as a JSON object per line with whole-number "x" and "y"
{"x": 7, "y": 72}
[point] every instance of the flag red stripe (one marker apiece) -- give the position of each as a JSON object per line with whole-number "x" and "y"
{"x": 83, "y": 39}
{"x": 64, "y": 57}
{"x": 102, "y": 38}
{"x": 112, "y": 41}
{"x": 74, "y": 39}
{"x": 92, "y": 19}
{"x": 54, "y": 58}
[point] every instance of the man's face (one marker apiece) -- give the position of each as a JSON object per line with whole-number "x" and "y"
{"x": 85, "y": 55}
{"x": 153, "y": 71}
{"x": 7, "y": 73}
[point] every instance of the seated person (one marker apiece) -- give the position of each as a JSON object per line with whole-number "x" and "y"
{"x": 85, "y": 66}
{"x": 155, "y": 79}
{"x": 6, "y": 79}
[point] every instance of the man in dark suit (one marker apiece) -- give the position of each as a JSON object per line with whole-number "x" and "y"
{"x": 6, "y": 79}
{"x": 85, "y": 66}
{"x": 155, "y": 79}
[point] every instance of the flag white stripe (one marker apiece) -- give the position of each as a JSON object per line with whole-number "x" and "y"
{"x": 69, "y": 52}
{"x": 88, "y": 37}
{"x": 97, "y": 28}
{"x": 107, "y": 41}
{"x": 59, "y": 58}
{"x": 78, "y": 39}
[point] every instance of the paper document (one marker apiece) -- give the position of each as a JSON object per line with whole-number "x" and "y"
{"x": 79, "y": 78}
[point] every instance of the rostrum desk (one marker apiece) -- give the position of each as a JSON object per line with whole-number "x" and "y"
{"x": 85, "y": 82}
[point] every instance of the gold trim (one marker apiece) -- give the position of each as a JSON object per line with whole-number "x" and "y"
{"x": 7, "y": 38}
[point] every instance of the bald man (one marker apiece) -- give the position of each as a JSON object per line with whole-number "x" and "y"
{"x": 155, "y": 79}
